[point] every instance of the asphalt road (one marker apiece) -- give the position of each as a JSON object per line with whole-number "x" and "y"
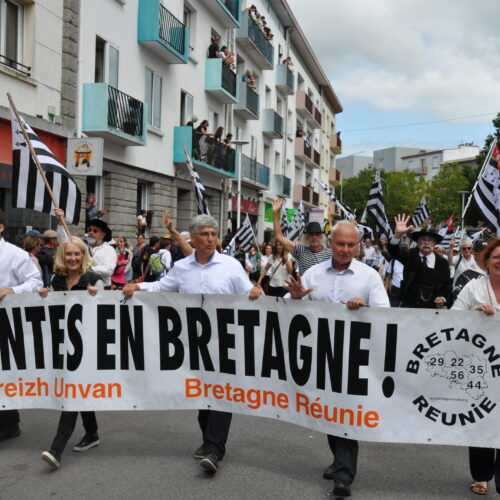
{"x": 147, "y": 455}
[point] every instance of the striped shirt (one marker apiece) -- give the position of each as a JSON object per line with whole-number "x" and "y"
{"x": 306, "y": 258}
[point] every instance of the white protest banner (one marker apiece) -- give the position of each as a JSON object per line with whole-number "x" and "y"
{"x": 394, "y": 375}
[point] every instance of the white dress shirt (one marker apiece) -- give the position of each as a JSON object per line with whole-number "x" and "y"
{"x": 105, "y": 259}
{"x": 476, "y": 292}
{"x": 358, "y": 280}
{"x": 222, "y": 274}
{"x": 17, "y": 270}
{"x": 462, "y": 264}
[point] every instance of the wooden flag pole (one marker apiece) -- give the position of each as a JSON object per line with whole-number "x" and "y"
{"x": 37, "y": 163}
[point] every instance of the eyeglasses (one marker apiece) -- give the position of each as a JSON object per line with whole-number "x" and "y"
{"x": 466, "y": 248}
{"x": 207, "y": 235}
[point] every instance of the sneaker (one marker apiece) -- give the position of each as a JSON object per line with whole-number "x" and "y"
{"x": 52, "y": 457}
{"x": 200, "y": 453}
{"x": 10, "y": 433}
{"x": 86, "y": 443}
{"x": 210, "y": 463}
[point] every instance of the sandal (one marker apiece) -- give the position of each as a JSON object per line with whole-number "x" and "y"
{"x": 478, "y": 488}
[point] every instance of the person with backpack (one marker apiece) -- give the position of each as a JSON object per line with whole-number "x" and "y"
{"x": 462, "y": 263}
{"x": 149, "y": 250}
{"x": 160, "y": 262}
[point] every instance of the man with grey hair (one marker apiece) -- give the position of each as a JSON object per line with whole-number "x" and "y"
{"x": 341, "y": 279}
{"x": 464, "y": 261}
{"x": 209, "y": 272}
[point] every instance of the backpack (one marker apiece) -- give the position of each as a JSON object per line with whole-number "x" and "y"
{"x": 156, "y": 266}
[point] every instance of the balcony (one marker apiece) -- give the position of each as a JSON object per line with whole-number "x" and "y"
{"x": 228, "y": 12}
{"x": 272, "y": 124}
{"x": 316, "y": 158}
{"x": 303, "y": 151}
{"x": 306, "y": 109}
{"x": 160, "y": 31}
{"x": 334, "y": 177}
{"x": 204, "y": 152}
{"x": 220, "y": 81}
{"x": 259, "y": 49}
{"x": 113, "y": 115}
{"x": 254, "y": 173}
{"x": 248, "y": 102}
{"x": 281, "y": 185}
{"x": 306, "y": 195}
{"x": 284, "y": 79}
{"x": 335, "y": 144}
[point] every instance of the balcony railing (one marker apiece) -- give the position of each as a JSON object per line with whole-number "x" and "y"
{"x": 172, "y": 30}
{"x": 21, "y": 68}
{"x": 272, "y": 124}
{"x": 317, "y": 157}
{"x": 254, "y": 171}
{"x": 232, "y": 6}
{"x": 317, "y": 115}
{"x": 336, "y": 144}
{"x": 124, "y": 112}
{"x": 282, "y": 185}
{"x": 220, "y": 80}
{"x": 207, "y": 150}
{"x": 309, "y": 104}
{"x": 306, "y": 108}
{"x": 228, "y": 79}
{"x": 285, "y": 79}
{"x": 305, "y": 194}
{"x": 263, "y": 45}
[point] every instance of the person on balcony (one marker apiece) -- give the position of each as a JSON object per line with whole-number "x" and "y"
{"x": 214, "y": 48}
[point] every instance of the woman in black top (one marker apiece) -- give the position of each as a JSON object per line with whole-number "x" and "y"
{"x": 71, "y": 273}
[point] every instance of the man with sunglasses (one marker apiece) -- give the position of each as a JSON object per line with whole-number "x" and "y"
{"x": 464, "y": 261}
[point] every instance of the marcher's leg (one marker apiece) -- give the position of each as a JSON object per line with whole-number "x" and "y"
{"x": 345, "y": 459}
{"x": 216, "y": 432}
{"x": 9, "y": 424}
{"x": 482, "y": 463}
{"x": 89, "y": 422}
{"x": 66, "y": 426}
{"x": 497, "y": 470}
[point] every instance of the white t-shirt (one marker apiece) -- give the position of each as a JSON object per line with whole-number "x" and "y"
{"x": 278, "y": 267}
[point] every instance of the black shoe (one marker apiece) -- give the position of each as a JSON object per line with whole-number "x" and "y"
{"x": 52, "y": 457}
{"x": 200, "y": 453}
{"x": 328, "y": 473}
{"x": 210, "y": 463}
{"x": 10, "y": 433}
{"x": 341, "y": 489}
{"x": 86, "y": 443}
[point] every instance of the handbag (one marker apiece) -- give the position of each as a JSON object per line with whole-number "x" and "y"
{"x": 267, "y": 285}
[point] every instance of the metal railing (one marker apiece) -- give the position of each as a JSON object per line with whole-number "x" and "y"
{"x": 317, "y": 115}
{"x": 252, "y": 169}
{"x": 232, "y": 7}
{"x": 315, "y": 198}
{"x": 278, "y": 123}
{"x": 307, "y": 150}
{"x": 208, "y": 150}
{"x": 283, "y": 184}
{"x": 171, "y": 30}
{"x": 252, "y": 100}
{"x": 317, "y": 157}
{"x": 309, "y": 104}
{"x": 255, "y": 34}
{"x": 124, "y": 112}
{"x": 228, "y": 79}
{"x": 289, "y": 77}
{"x": 7, "y": 61}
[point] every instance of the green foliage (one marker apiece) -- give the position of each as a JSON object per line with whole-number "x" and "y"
{"x": 355, "y": 191}
{"x": 487, "y": 143}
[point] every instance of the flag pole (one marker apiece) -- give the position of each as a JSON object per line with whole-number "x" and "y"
{"x": 37, "y": 163}
{"x": 478, "y": 177}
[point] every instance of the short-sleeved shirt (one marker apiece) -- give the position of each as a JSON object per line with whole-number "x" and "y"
{"x": 306, "y": 258}
{"x": 212, "y": 50}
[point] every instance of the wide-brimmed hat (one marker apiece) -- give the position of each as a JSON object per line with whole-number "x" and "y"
{"x": 313, "y": 228}
{"x": 100, "y": 224}
{"x": 426, "y": 232}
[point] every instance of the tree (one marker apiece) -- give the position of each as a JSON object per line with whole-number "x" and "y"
{"x": 487, "y": 143}
{"x": 355, "y": 191}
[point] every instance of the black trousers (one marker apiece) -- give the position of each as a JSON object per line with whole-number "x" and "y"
{"x": 214, "y": 427}
{"x": 345, "y": 458}
{"x": 67, "y": 424}
{"x": 276, "y": 291}
{"x": 485, "y": 464}
{"x": 9, "y": 420}
{"x": 394, "y": 296}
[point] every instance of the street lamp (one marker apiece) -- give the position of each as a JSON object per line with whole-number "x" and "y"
{"x": 463, "y": 193}
{"x": 238, "y": 143}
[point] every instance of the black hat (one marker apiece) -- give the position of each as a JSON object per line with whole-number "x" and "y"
{"x": 313, "y": 228}
{"x": 426, "y": 232}
{"x": 100, "y": 224}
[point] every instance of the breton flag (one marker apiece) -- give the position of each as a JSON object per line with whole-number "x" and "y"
{"x": 487, "y": 192}
{"x": 296, "y": 227}
{"x": 28, "y": 187}
{"x": 284, "y": 222}
{"x": 244, "y": 236}
{"x": 421, "y": 214}
{"x": 348, "y": 213}
{"x": 446, "y": 232}
{"x": 375, "y": 205}
{"x": 199, "y": 188}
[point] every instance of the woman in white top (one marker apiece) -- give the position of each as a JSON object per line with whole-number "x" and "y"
{"x": 267, "y": 253}
{"x": 483, "y": 294}
{"x": 280, "y": 265}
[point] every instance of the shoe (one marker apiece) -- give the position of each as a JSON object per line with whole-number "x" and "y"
{"x": 210, "y": 463}
{"x": 10, "y": 433}
{"x": 341, "y": 489}
{"x": 479, "y": 487}
{"x": 200, "y": 453}
{"x": 52, "y": 457}
{"x": 86, "y": 443}
{"x": 328, "y": 473}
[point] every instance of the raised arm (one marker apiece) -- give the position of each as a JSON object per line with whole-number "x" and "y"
{"x": 289, "y": 245}
{"x": 185, "y": 247}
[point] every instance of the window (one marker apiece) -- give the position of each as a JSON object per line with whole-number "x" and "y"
{"x": 253, "y": 147}
{"x": 187, "y": 104}
{"x": 189, "y": 20}
{"x": 94, "y": 184}
{"x": 153, "y": 97}
{"x": 106, "y": 63}
{"x": 11, "y": 32}
{"x": 142, "y": 196}
{"x": 213, "y": 120}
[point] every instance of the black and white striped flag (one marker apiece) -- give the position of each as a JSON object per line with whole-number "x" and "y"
{"x": 348, "y": 213}
{"x": 284, "y": 222}
{"x": 375, "y": 205}
{"x": 199, "y": 188}
{"x": 28, "y": 187}
{"x": 296, "y": 226}
{"x": 487, "y": 192}
{"x": 421, "y": 214}
{"x": 244, "y": 236}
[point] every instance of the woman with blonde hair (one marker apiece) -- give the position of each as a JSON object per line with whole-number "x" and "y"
{"x": 71, "y": 273}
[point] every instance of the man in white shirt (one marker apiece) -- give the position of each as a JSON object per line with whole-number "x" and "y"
{"x": 18, "y": 274}
{"x": 341, "y": 279}
{"x": 209, "y": 272}
{"x": 464, "y": 261}
{"x": 369, "y": 253}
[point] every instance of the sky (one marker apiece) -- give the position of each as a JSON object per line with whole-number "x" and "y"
{"x": 401, "y": 62}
